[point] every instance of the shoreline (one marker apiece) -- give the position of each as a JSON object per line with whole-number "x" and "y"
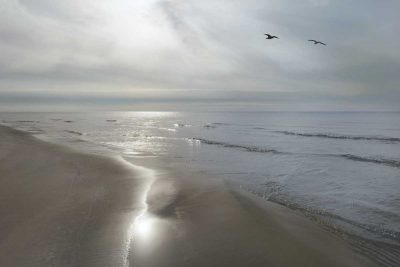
{"x": 61, "y": 207}
{"x": 213, "y": 215}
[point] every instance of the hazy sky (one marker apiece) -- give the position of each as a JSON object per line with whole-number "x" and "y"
{"x": 208, "y": 54}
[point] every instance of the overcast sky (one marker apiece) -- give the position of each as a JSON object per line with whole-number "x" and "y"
{"x": 209, "y": 54}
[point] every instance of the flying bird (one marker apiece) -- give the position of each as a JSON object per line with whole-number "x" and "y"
{"x": 269, "y": 36}
{"x": 316, "y": 42}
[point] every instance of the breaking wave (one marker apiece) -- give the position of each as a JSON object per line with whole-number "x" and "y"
{"x": 388, "y": 162}
{"x": 349, "y": 137}
{"x": 383, "y": 161}
{"x": 243, "y": 147}
{"x": 74, "y": 132}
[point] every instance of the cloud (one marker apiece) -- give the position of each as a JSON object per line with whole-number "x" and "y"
{"x": 192, "y": 48}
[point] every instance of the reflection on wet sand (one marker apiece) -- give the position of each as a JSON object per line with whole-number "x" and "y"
{"x": 143, "y": 226}
{"x": 205, "y": 223}
{"x": 155, "y": 230}
{"x": 150, "y": 237}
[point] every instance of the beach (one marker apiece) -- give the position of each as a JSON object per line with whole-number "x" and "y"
{"x": 171, "y": 133}
{"x": 60, "y": 207}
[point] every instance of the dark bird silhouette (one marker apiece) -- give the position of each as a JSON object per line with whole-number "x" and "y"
{"x": 269, "y": 36}
{"x": 316, "y": 42}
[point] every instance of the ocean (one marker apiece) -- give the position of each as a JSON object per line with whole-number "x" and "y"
{"x": 341, "y": 169}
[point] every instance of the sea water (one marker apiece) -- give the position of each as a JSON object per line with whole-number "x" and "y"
{"x": 343, "y": 167}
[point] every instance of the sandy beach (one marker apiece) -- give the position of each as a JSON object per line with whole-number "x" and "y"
{"x": 63, "y": 208}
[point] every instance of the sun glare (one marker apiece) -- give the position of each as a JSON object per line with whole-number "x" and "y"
{"x": 143, "y": 226}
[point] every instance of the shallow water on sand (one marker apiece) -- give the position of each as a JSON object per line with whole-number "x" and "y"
{"x": 343, "y": 167}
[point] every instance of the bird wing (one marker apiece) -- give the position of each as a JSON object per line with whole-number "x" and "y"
{"x": 269, "y": 35}
{"x": 322, "y": 43}
{"x": 312, "y": 41}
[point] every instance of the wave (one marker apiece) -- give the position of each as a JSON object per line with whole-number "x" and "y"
{"x": 338, "y": 136}
{"x": 385, "y": 252}
{"x": 74, "y": 132}
{"x": 271, "y": 192}
{"x": 181, "y": 125}
{"x": 23, "y": 121}
{"x": 383, "y": 161}
{"x": 35, "y": 131}
{"x": 167, "y": 129}
{"x": 243, "y": 147}
{"x": 375, "y": 160}
{"x": 376, "y": 229}
{"x": 220, "y": 123}
{"x": 380, "y": 245}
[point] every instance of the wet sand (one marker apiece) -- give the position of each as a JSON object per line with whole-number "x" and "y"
{"x": 62, "y": 208}
{"x": 209, "y": 223}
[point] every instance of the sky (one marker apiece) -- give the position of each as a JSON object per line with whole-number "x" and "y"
{"x": 199, "y": 55}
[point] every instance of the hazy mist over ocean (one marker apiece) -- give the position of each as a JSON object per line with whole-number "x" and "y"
{"x": 168, "y": 55}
